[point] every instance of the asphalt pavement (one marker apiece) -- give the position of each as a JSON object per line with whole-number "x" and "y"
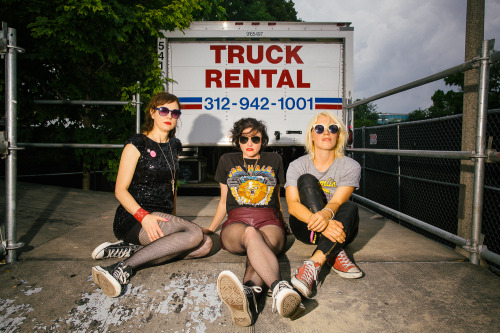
{"x": 410, "y": 283}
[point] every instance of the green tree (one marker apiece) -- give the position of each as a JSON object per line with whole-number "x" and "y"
{"x": 260, "y": 10}
{"x": 99, "y": 50}
{"x": 90, "y": 50}
{"x": 365, "y": 115}
{"x": 451, "y": 102}
{"x": 418, "y": 114}
{"x": 445, "y": 104}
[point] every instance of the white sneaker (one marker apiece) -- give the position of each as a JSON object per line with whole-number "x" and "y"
{"x": 285, "y": 299}
{"x": 231, "y": 292}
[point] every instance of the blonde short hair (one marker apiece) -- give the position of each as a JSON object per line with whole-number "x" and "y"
{"x": 341, "y": 134}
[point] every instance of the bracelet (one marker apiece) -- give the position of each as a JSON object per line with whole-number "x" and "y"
{"x": 140, "y": 214}
{"x": 333, "y": 214}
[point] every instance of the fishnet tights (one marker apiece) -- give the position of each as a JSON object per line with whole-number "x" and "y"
{"x": 181, "y": 236}
{"x": 261, "y": 247}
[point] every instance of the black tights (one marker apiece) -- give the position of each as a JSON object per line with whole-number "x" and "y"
{"x": 312, "y": 196}
{"x": 261, "y": 247}
{"x": 183, "y": 239}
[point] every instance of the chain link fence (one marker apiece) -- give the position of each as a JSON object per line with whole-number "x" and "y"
{"x": 427, "y": 189}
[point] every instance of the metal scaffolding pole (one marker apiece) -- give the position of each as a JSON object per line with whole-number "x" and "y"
{"x": 479, "y": 162}
{"x": 138, "y": 110}
{"x": 11, "y": 158}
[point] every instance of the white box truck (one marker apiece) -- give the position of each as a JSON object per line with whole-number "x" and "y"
{"x": 279, "y": 72}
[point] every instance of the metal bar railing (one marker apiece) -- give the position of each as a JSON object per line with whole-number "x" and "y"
{"x": 135, "y": 101}
{"x": 71, "y": 145}
{"x": 10, "y": 146}
{"x": 488, "y": 255}
{"x": 11, "y": 164}
{"x": 461, "y": 155}
{"x": 480, "y": 146}
{"x": 423, "y": 180}
{"x": 78, "y": 102}
{"x": 56, "y": 174}
{"x": 416, "y": 222}
{"x": 474, "y": 246}
{"x": 431, "y": 78}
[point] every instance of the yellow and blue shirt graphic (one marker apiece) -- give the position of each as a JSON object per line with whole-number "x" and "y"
{"x": 254, "y": 186}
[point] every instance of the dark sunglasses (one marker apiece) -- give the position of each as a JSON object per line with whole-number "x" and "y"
{"x": 244, "y": 139}
{"x": 320, "y": 128}
{"x": 163, "y": 111}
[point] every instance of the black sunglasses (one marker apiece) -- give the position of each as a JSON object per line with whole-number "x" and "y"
{"x": 163, "y": 111}
{"x": 244, "y": 139}
{"x": 320, "y": 128}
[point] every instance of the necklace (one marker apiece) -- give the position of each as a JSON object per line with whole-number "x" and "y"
{"x": 165, "y": 157}
{"x": 246, "y": 167}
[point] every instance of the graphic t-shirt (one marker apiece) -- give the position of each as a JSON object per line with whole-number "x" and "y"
{"x": 342, "y": 172}
{"x": 250, "y": 182}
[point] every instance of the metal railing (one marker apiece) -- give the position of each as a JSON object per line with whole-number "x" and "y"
{"x": 9, "y": 145}
{"x": 473, "y": 245}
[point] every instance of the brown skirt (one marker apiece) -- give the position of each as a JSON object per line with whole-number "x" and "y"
{"x": 253, "y": 217}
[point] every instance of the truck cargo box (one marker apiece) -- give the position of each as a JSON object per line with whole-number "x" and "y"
{"x": 279, "y": 72}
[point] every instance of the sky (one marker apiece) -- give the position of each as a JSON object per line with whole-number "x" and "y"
{"x": 400, "y": 41}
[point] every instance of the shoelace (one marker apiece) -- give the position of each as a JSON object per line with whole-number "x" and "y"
{"x": 120, "y": 275}
{"x": 310, "y": 274}
{"x": 280, "y": 286}
{"x": 344, "y": 259}
{"x": 121, "y": 252}
{"x": 251, "y": 291}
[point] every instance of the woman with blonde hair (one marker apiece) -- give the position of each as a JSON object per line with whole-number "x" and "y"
{"x": 318, "y": 188}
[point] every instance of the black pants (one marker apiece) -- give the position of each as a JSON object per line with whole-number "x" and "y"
{"x": 312, "y": 196}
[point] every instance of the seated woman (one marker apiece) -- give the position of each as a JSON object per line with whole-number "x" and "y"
{"x": 145, "y": 188}
{"x": 318, "y": 188}
{"x": 250, "y": 195}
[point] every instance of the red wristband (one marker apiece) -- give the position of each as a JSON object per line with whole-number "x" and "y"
{"x": 140, "y": 214}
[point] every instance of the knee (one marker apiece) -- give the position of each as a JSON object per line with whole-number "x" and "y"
{"x": 306, "y": 180}
{"x": 348, "y": 215}
{"x": 277, "y": 245}
{"x": 310, "y": 192}
{"x": 206, "y": 246}
{"x": 349, "y": 208}
{"x": 196, "y": 233}
{"x": 251, "y": 235}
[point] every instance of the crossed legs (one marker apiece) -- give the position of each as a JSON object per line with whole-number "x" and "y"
{"x": 261, "y": 247}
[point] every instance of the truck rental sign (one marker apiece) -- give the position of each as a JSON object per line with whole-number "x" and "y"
{"x": 283, "y": 83}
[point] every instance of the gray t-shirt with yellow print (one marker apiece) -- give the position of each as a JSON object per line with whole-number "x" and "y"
{"x": 343, "y": 172}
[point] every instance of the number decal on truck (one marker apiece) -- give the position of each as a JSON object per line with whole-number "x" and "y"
{"x": 282, "y": 103}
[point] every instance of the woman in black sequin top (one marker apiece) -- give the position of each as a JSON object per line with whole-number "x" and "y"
{"x": 149, "y": 233}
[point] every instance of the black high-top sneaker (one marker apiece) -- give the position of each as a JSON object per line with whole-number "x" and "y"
{"x": 119, "y": 249}
{"x": 250, "y": 293}
{"x": 111, "y": 278}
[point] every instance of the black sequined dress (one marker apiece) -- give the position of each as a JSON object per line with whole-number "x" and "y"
{"x": 151, "y": 184}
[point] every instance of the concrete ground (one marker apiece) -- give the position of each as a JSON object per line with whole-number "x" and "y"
{"x": 411, "y": 283}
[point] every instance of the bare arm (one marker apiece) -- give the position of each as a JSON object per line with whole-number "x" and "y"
{"x": 279, "y": 208}
{"x": 220, "y": 213}
{"x": 128, "y": 163}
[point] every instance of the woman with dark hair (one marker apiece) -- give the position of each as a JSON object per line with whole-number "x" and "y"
{"x": 250, "y": 183}
{"x": 145, "y": 188}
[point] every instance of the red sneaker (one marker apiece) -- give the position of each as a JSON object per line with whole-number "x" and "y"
{"x": 306, "y": 277}
{"x": 344, "y": 267}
